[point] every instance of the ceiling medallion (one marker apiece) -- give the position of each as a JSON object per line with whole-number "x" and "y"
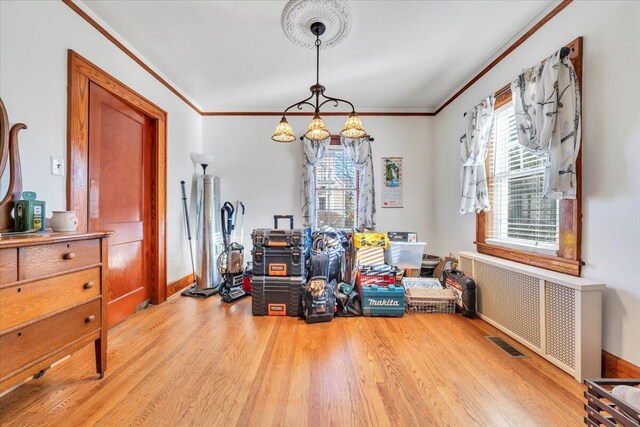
{"x": 298, "y": 15}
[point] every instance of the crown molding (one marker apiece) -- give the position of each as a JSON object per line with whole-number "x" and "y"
{"x": 507, "y": 51}
{"x": 71, "y": 4}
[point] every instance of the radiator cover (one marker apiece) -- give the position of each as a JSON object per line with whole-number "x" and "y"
{"x": 556, "y": 315}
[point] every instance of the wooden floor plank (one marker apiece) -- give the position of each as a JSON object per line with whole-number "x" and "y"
{"x": 201, "y": 362}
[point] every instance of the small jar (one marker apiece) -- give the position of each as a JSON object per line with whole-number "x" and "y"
{"x": 64, "y": 221}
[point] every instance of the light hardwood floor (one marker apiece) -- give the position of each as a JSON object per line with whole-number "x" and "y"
{"x": 201, "y": 362}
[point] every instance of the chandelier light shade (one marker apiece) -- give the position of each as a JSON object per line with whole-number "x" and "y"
{"x": 353, "y": 127}
{"x": 283, "y": 132}
{"x": 317, "y": 131}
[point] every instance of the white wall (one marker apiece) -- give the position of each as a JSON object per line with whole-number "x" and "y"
{"x": 34, "y": 38}
{"x": 267, "y": 176}
{"x": 611, "y": 147}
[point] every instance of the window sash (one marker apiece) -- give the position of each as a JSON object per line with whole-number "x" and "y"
{"x": 519, "y": 216}
{"x": 336, "y": 181}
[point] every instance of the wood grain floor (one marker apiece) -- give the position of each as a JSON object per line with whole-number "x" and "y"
{"x": 203, "y": 363}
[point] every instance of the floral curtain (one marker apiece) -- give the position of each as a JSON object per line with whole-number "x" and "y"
{"x": 312, "y": 152}
{"x": 474, "y": 196}
{"x": 546, "y": 101}
{"x": 359, "y": 151}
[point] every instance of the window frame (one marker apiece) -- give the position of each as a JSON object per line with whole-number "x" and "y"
{"x": 335, "y": 141}
{"x": 568, "y": 258}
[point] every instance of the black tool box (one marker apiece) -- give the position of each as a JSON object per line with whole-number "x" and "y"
{"x": 276, "y": 296}
{"x": 464, "y": 289}
{"x": 276, "y": 237}
{"x": 275, "y": 261}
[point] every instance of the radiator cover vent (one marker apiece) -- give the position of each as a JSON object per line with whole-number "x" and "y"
{"x": 466, "y": 265}
{"x": 561, "y": 323}
{"x": 556, "y": 315}
{"x": 511, "y": 299}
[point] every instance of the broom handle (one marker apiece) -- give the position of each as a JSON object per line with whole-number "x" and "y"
{"x": 186, "y": 218}
{"x": 186, "y": 211}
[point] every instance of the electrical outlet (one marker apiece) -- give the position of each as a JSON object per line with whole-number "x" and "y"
{"x": 57, "y": 167}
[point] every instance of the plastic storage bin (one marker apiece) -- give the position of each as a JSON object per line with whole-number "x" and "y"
{"x": 405, "y": 254}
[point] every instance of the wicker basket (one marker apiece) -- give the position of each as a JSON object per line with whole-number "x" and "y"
{"x": 423, "y": 300}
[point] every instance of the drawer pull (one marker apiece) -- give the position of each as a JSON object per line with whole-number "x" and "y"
{"x": 88, "y": 285}
{"x": 90, "y": 319}
{"x": 69, "y": 255}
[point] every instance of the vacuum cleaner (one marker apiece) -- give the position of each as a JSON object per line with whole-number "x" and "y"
{"x": 207, "y": 279}
{"x": 231, "y": 260}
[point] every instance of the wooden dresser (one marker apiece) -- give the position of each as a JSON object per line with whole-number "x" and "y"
{"x": 53, "y": 295}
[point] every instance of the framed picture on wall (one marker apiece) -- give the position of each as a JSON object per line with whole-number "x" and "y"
{"x": 392, "y": 182}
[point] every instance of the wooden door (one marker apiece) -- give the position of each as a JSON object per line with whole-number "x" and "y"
{"x": 120, "y": 139}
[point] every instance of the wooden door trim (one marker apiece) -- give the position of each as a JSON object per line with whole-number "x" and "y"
{"x": 80, "y": 73}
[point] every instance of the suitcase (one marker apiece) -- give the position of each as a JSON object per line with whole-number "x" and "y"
{"x": 276, "y": 296}
{"x": 276, "y": 237}
{"x": 320, "y": 308}
{"x": 275, "y": 261}
{"x": 464, "y": 288}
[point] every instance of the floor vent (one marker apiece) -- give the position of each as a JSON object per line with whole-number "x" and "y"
{"x": 506, "y": 347}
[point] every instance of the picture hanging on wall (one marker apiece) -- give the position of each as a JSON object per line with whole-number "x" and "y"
{"x": 392, "y": 182}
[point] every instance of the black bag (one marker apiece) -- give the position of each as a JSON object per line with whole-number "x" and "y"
{"x": 320, "y": 308}
{"x": 464, "y": 289}
{"x": 327, "y": 264}
{"x": 347, "y": 305}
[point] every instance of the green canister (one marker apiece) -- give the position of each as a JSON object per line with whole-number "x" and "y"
{"x": 29, "y": 213}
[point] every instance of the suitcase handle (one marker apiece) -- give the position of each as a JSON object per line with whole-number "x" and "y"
{"x": 279, "y": 217}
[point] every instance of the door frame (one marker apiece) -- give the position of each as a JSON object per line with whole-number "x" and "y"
{"x": 80, "y": 72}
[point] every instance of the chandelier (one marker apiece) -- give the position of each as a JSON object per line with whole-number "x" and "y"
{"x": 317, "y": 131}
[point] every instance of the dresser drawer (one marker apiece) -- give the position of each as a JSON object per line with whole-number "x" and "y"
{"x": 38, "y": 261}
{"x": 26, "y": 346}
{"x": 8, "y": 265}
{"x": 22, "y": 303}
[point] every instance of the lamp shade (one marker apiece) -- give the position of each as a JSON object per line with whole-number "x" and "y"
{"x": 317, "y": 130}
{"x": 283, "y": 132}
{"x": 353, "y": 127}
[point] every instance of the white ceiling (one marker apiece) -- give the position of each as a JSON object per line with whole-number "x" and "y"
{"x": 400, "y": 55}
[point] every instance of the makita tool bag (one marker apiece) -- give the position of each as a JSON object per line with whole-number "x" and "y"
{"x": 464, "y": 289}
{"x": 318, "y": 300}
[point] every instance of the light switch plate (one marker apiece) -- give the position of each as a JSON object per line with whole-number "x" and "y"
{"x": 57, "y": 167}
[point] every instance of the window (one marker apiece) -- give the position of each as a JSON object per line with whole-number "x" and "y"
{"x": 336, "y": 189}
{"x": 521, "y": 225}
{"x": 520, "y": 217}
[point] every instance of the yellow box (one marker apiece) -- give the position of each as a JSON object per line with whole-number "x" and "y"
{"x": 370, "y": 239}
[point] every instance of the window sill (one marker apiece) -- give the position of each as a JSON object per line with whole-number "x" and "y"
{"x": 507, "y": 244}
{"x": 547, "y": 262}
